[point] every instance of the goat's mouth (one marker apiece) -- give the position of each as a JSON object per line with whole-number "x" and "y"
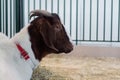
{"x": 68, "y": 50}
{"x": 65, "y": 50}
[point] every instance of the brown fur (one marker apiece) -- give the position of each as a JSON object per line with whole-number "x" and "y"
{"x": 47, "y": 35}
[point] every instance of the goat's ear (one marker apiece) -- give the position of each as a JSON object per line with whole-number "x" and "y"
{"x": 47, "y": 33}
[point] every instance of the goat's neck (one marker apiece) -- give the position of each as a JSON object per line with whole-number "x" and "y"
{"x": 22, "y": 38}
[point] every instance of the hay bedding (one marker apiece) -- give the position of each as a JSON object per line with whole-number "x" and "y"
{"x": 81, "y": 68}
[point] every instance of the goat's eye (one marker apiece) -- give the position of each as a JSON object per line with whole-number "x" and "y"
{"x": 57, "y": 26}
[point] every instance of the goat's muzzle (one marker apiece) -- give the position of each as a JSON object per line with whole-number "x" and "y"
{"x": 66, "y": 49}
{"x": 69, "y": 49}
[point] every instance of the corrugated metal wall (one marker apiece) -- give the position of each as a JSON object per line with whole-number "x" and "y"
{"x": 11, "y": 16}
{"x": 8, "y": 17}
{"x": 86, "y": 20}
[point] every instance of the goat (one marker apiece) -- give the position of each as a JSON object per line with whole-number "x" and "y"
{"x": 21, "y": 54}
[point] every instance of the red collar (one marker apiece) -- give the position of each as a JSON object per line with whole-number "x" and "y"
{"x": 23, "y": 52}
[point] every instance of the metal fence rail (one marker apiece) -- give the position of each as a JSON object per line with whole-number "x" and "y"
{"x": 11, "y": 16}
{"x": 7, "y": 18}
{"x": 86, "y": 20}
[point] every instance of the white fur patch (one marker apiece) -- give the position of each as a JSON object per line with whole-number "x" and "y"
{"x": 12, "y": 65}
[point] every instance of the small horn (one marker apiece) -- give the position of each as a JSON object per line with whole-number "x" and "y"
{"x": 40, "y": 13}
